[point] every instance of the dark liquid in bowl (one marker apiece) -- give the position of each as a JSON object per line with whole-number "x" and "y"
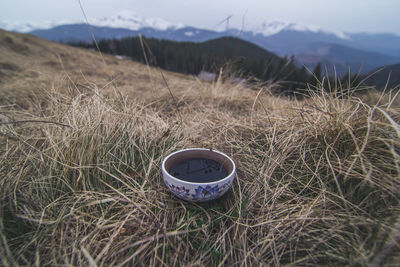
{"x": 198, "y": 170}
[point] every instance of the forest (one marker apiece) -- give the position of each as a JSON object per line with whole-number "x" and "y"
{"x": 242, "y": 58}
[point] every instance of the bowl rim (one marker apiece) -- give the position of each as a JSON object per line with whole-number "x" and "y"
{"x": 199, "y": 183}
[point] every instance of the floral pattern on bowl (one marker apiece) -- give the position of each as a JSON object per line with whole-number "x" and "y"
{"x": 210, "y": 192}
{"x": 201, "y": 193}
{"x": 179, "y": 191}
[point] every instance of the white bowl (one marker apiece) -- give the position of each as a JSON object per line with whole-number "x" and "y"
{"x": 198, "y": 191}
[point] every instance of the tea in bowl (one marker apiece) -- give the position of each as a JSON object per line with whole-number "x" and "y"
{"x": 198, "y": 174}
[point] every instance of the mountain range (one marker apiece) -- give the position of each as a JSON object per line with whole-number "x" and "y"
{"x": 309, "y": 45}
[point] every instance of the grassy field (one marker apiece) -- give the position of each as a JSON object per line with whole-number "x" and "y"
{"x": 82, "y": 138}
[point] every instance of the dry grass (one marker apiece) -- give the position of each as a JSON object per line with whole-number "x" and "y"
{"x": 318, "y": 180}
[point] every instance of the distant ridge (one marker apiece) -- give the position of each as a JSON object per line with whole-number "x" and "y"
{"x": 339, "y": 58}
{"x": 282, "y": 38}
{"x": 386, "y": 76}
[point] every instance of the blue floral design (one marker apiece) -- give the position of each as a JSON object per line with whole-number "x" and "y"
{"x": 206, "y": 193}
{"x": 202, "y": 193}
{"x": 180, "y": 191}
{"x": 225, "y": 186}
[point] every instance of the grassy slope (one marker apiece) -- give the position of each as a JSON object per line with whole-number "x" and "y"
{"x": 28, "y": 64}
{"x": 318, "y": 180}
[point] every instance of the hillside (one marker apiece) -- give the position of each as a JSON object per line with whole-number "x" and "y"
{"x": 235, "y": 47}
{"x": 386, "y": 76}
{"x": 242, "y": 58}
{"x": 29, "y": 64}
{"x": 83, "y": 135}
{"x": 80, "y": 32}
{"x": 340, "y": 58}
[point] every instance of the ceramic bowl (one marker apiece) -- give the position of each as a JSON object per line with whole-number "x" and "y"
{"x": 198, "y": 191}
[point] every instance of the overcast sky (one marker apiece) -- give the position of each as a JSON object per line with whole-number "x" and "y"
{"x": 333, "y": 15}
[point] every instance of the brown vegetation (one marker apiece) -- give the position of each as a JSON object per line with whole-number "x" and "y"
{"x": 81, "y": 145}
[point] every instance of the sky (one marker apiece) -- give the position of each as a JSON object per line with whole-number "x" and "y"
{"x": 371, "y": 16}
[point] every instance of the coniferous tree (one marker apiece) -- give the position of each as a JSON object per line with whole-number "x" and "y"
{"x": 317, "y": 73}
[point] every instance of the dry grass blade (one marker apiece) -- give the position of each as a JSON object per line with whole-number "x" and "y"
{"x": 89, "y": 257}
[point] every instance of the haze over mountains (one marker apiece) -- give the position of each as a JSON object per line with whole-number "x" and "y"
{"x": 309, "y": 44}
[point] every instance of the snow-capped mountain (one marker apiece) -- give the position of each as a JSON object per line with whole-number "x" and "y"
{"x": 129, "y": 20}
{"x": 21, "y": 26}
{"x": 133, "y": 21}
{"x": 268, "y": 28}
{"x": 124, "y": 19}
{"x": 280, "y": 37}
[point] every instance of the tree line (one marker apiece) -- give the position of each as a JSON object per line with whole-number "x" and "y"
{"x": 241, "y": 57}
